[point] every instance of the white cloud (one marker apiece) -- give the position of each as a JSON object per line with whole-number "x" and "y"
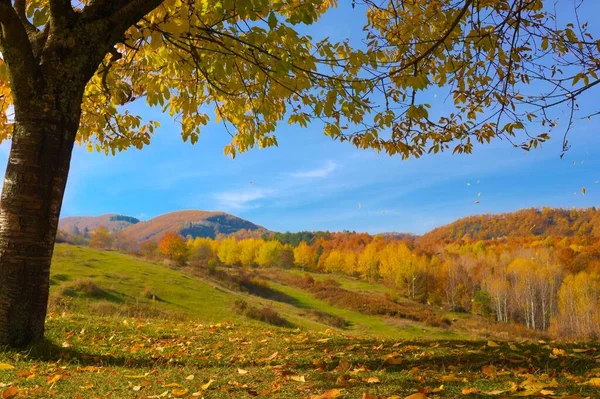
{"x": 244, "y": 198}
{"x": 321, "y": 172}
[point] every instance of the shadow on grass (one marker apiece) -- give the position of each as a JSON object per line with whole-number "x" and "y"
{"x": 48, "y": 351}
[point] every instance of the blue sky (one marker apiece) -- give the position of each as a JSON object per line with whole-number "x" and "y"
{"x": 312, "y": 183}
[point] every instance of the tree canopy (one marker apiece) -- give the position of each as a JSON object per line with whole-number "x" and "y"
{"x": 504, "y": 66}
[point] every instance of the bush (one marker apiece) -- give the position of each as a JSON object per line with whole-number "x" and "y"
{"x": 83, "y": 287}
{"x": 326, "y": 318}
{"x": 266, "y": 314}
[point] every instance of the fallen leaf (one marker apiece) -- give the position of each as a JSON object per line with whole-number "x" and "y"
{"x": 6, "y": 366}
{"x": 298, "y": 378}
{"x": 492, "y": 344}
{"x": 372, "y": 380}
{"x": 179, "y": 393}
{"x": 208, "y": 384}
{"x": 469, "y": 391}
{"x": 418, "y": 395}
{"x": 137, "y": 388}
{"x": 595, "y": 382}
{"x": 53, "y": 379}
{"x": 10, "y": 393}
{"x": 162, "y": 395}
{"x": 330, "y": 394}
{"x": 242, "y": 371}
{"x": 190, "y": 377}
{"x": 489, "y": 371}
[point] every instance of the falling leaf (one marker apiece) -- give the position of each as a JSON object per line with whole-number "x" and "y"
{"x": 10, "y": 393}
{"x": 6, "y": 366}
{"x": 583, "y": 190}
{"x": 477, "y": 202}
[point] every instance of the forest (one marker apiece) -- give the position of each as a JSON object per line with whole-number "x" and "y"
{"x": 539, "y": 268}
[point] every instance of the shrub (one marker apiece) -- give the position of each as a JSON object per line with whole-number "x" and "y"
{"x": 266, "y": 314}
{"x": 83, "y": 287}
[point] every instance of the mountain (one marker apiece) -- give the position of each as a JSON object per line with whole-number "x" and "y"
{"x": 82, "y": 224}
{"x": 190, "y": 222}
{"x": 522, "y": 223}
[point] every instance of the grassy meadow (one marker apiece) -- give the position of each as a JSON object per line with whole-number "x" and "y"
{"x": 122, "y": 327}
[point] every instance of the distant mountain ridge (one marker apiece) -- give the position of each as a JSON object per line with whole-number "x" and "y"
{"x": 189, "y": 222}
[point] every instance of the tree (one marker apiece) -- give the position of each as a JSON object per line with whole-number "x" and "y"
{"x": 229, "y": 251}
{"x": 304, "y": 256}
{"x": 69, "y": 68}
{"x": 201, "y": 250}
{"x": 174, "y": 247}
{"x": 269, "y": 254}
{"x": 101, "y": 238}
{"x": 249, "y": 251}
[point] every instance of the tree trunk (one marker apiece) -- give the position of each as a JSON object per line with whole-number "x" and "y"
{"x": 30, "y": 205}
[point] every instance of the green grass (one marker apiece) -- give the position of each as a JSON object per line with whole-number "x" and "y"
{"x": 362, "y": 324}
{"x": 125, "y": 278}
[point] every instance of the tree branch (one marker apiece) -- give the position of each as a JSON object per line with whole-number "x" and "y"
{"x": 17, "y": 51}
{"x": 61, "y": 10}
{"x": 19, "y": 6}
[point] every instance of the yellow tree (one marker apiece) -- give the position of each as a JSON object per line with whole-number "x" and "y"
{"x": 579, "y": 306}
{"x": 229, "y": 251}
{"x": 269, "y": 254}
{"x": 201, "y": 249}
{"x": 367, "y": 264}
{"x": 101, "y": 238}
{"x": 249, "y": 251}
{"x": 304, "y": 256}
{"x": 69, "y": 70}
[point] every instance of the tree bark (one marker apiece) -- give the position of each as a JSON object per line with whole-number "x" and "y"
{"x": 30, "y": 205}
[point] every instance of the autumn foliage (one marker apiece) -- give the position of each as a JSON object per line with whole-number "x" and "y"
{"x": 173, "y": 247}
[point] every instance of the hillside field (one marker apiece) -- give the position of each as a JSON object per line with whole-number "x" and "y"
{"x": 122, "y": 327}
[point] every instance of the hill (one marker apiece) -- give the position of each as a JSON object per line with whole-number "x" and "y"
{"x": 193, "y": 223}
{"x": 188, "y": 222}
{"x": 522, "y": 223}
{"x": 82, "y": 224}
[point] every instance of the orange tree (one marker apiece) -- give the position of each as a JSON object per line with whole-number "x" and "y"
{"x": 68, "y": 69}
{"x": 174, "y": 247}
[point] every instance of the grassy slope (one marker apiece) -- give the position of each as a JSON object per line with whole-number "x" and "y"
{"x": 125, "y": 278}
